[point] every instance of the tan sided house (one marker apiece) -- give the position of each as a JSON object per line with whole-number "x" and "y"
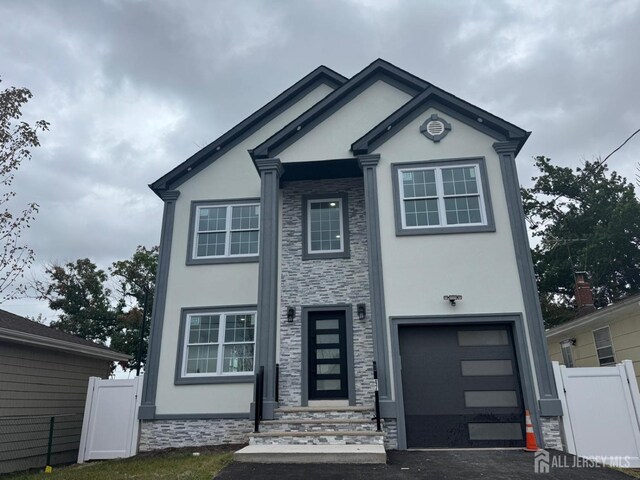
{"x": 350, "y": 221}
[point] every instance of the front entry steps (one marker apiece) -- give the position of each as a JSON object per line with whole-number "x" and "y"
{"x": 316, "y": 435}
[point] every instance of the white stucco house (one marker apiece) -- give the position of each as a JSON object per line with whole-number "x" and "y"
{"x": 349, "y": 221}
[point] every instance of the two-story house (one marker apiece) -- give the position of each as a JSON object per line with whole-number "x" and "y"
{"x": 347, "y": 222}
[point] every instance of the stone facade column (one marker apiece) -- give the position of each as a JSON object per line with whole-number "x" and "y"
{"x": 270, "y": 170}
{"x": 368, "y": 164}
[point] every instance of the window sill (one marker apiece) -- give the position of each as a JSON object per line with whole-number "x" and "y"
{"x": 220, "y": 260}
{"x": 325, "y": 256}
{"x": 217, "y": 379}
{"x": 445, "y": 230}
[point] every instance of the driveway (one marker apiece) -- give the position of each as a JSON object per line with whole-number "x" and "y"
{"x": 458, "y": 464}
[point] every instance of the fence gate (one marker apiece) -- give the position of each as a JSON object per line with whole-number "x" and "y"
{"x": 110, "y": 426}
{"x": 601, "y": 412}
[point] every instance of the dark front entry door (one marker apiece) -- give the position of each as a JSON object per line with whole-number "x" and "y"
{"x": 461, "y": 387}
{"x": 327, "y": 355}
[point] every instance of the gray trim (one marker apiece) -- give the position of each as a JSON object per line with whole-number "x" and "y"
{"x": 270, "y": 170}
{"x": 216, "y": 149}
{"x": 435, "y": 118}
{"x": 378, "y": 70}
{"x": 152, "y": 365}
{"x": 178, "y": 379}
{"x": 549, "y": 402}
{"x": 351, "y": 376}
{"x": 449, "y": 104}
{"x": 199, "y": 416}
{"x": 191, "y": 260}
{"x": 480, "y": 161}
{"x": 368, "y": 163}
{"x": 346, "y": 252}
{"x": 524, "y": 367}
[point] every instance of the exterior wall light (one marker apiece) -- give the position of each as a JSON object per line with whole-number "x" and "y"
{"x": 291, "y": 314}
{"x": 452, "y": 299}
{"x": 362, "y": 311}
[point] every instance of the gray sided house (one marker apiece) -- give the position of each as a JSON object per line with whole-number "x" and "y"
{"x": 349, "y": 221}
{"x": 44, "y": 373}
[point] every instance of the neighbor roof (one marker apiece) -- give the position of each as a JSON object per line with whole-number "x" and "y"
{"x": 19, "y": 329}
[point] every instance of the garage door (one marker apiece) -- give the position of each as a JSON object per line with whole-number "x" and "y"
{"x": 461, "y": 387}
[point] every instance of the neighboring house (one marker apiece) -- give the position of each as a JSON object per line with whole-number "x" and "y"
{"x": 44, "y": 373}
{"x": 338, "y": 226}
{"x": 601, "y": 338}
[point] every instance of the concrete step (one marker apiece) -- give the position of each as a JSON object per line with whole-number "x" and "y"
{"x": 317, "y": 425}
{"x": 324, "y": 437}
{"x": 311, "y": 454}
{"x": 324, "y": 413}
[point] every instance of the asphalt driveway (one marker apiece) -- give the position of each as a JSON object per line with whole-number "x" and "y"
{"x": 458, "y": 464}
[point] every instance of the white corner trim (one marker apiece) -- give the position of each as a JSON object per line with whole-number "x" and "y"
{"x": 56, "y": 344}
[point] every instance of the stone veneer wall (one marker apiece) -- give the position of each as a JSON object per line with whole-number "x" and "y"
{"x": 390, "y": 434}
{"x": 159, "y": 434}
{"x": 323, "y": 282}
{"x": 551, "y": 433}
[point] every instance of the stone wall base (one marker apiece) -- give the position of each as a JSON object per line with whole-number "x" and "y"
{"x": 159, "y": 434}
{"x": 551, "y": 433}
{"x": 390, "y": 428}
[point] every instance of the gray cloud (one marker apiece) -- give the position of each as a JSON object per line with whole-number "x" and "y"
{"x": 132, "y": 88}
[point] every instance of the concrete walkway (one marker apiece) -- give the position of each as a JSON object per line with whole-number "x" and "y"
{"x": 458, "y": 464}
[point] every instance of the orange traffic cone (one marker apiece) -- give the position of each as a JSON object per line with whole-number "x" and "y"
{"x": 531, "y": 446}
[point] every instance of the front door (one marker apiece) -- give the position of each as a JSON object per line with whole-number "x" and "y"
{"x": 327, "y": 355}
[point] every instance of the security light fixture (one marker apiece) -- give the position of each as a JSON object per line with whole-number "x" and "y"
{"x": 291, "y": 314}
{"x": 362, "y": 311}
{"x": 452, "y": 299}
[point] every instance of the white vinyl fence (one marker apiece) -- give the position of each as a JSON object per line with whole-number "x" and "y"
{"x": 110, "y": 426}
{"x": 601, "y": 412}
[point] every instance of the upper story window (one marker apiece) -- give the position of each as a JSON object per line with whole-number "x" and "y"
{"x": 448, "y": 196}
{"x": 567, "y": 353}
{"x": 222, "y": 232}
{"x": 604, "y": 346}
{"x": 325, "y": 227}
{"x": 216, "y": 344}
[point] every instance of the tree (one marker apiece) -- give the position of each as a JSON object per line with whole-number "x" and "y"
{"x": 587, "y": 219}
{"x": 17, "y": 138}
{"x": 136, "y": 277}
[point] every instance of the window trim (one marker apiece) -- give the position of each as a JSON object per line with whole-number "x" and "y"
{"x": 192, "y": 259}
{"x": 567, "y": 345}
{"x": 182, "y": 378}
{"x": 595, "y": 346}
{"x": 483, "y": 189}
{"x": 344, "y": 218}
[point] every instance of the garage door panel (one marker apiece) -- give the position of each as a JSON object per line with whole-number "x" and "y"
{"x": 460, "y": 386}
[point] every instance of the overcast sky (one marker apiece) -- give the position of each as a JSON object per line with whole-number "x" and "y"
{"x": 133, "y": 88}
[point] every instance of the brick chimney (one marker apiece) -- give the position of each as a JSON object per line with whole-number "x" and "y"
{"x": 584, "y": 296}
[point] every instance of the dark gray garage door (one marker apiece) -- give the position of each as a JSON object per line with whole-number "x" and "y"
{"x": 461, "y": 387}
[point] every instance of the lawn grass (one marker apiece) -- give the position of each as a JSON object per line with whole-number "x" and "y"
{"x": 167, "y": 464}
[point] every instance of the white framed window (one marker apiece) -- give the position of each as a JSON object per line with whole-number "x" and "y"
{"x": 219, "y": 344}
{"x": 604, "y": 346}
{"x": 442, "y": 196}
{"x": 567, "y": 353}
{"x": 222, "y": 231}
{"x": 325, "y": 226}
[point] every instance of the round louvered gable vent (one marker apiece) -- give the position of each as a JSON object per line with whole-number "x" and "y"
{"x": 435, "y": 128}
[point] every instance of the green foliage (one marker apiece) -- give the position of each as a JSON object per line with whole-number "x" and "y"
{"x": 587, "y": 219}
{"x": 89, "y": 309}
{"x": 16, "y": 141}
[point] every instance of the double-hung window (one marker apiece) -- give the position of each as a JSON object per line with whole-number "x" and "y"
{"x": 604, "y": 346}
{"x": 442, "y": 197}
{"x": 218, "y": 344}
{"x": 222, "y": 232}
{"x": 567, "y": 353}
{"x": 325, "y": 230}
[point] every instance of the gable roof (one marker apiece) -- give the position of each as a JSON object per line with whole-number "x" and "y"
{"x": 447, "y": 103}
{"x": 217, "y": 148}
{"x": 19, "y": 329}
{"x": 378, "y": 70}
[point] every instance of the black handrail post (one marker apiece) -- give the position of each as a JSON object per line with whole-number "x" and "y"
{"x": 277, "y": 382}
{"x": 47, "y": 468}
{"x": 377, "y": 396}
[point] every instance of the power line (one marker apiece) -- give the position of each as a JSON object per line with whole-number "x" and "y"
{"x": 622, "y": 145}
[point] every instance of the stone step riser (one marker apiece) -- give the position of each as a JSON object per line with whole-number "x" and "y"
{"x": 362, "y": 416}
{"x": 318, "y": 440}
{"x": 317, "y": 427}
